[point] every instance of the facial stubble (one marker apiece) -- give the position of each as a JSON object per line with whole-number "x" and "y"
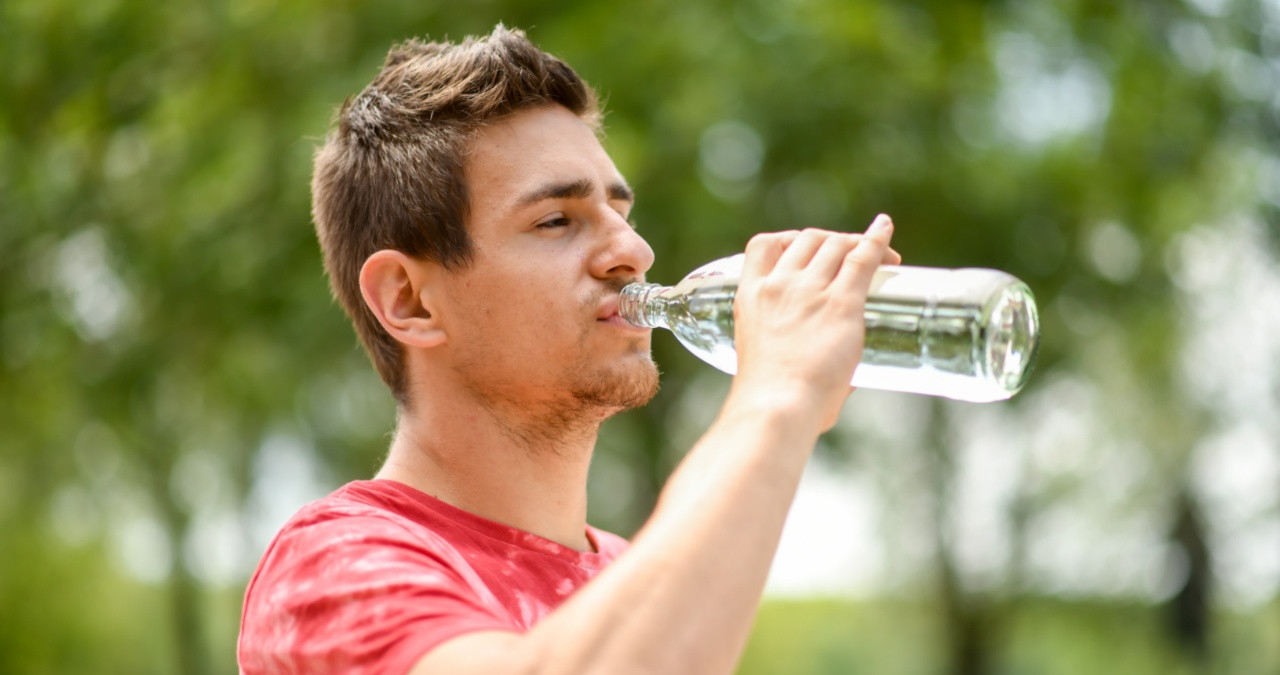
{"x": 589, "y": 389}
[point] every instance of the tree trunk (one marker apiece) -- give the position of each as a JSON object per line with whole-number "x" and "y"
{"x": 1187, "y": 612}
{"x": 968, "y": 644}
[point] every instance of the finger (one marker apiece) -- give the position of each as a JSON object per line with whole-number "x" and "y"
{"x": 891, "y": 257}
{"x": 763, "y": 251}
{"x": 829, "y": 257}
{"x": 801, "y": 251}
{"x": 861, "y": 263}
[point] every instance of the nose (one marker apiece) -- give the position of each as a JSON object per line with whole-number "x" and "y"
{"x": 623, "y": 253}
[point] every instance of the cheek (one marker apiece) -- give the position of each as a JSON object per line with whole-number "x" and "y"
{"x": 537, "y": 294}
{"x": 518, "y": 311}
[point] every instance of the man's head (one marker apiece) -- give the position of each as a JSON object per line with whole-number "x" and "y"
{"x": 392, "y": 175}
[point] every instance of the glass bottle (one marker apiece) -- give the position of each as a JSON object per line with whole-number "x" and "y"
{"x": 968, "y": 334}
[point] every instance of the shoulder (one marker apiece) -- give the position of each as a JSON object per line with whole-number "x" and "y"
{"x": 363, "y": 527}
{"x": 365, "y": 563}
{"x": 350, "y": 515}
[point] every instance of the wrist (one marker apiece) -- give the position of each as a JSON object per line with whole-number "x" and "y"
{"x": 793, "y": 410}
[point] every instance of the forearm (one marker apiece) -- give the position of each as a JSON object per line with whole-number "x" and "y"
{"x": 683, "y": 599}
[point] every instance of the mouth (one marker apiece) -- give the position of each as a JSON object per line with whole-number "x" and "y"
{"x": 608, "y": 308}
{"x": 608, "y": 313}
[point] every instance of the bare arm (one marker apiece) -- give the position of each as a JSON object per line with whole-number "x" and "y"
{"x": 683, "y": 598}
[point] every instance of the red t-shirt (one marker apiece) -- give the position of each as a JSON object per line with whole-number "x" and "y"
{"x": 371, "y": 577}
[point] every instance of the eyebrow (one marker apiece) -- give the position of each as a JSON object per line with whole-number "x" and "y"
{"x": 575, "y": 189}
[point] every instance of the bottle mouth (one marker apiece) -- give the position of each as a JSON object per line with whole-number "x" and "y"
{"x": 1014, "y": 324}
{"x": 632, "y": 302}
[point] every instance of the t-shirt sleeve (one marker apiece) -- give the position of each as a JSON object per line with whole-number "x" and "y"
{"x": 358, "y": 594}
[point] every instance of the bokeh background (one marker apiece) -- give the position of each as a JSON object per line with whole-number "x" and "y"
{"x": 175, "y": 379}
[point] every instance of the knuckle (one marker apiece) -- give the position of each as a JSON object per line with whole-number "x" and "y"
{"x": 770, "y": 285}
{"x": 814, "y": 233}
{"x": 766, "y": 240}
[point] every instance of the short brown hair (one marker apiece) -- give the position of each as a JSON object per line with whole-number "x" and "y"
{"x": 390, "y": 176}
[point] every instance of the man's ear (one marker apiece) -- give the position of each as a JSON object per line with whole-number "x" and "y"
{"x": 396, "y": 288}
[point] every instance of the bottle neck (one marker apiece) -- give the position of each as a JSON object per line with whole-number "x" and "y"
{"x": 641, "y": 304}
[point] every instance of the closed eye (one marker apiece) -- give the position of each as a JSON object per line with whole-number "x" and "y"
{"x": 553, "y": 223}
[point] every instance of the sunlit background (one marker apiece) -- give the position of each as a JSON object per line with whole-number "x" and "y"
{"x": 175, "y": 380}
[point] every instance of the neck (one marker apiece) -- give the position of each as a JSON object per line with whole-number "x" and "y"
{"x": 512, "y": 469}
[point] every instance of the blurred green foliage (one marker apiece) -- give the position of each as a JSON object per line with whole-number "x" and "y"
{"x": 1036, "y": 635}
{"x": 172, "y": 362}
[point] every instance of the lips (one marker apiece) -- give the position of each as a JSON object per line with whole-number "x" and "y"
{"x": 610, "y": 299}
{"x": 608, "y": 309}
{"x": 607, "y": 314}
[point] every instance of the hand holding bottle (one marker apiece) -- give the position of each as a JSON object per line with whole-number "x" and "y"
{"x": 798, "y": 313}
{"x": 970, "y": 334}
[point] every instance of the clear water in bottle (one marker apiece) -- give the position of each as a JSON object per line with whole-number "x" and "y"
{"x": 966, "y": 334}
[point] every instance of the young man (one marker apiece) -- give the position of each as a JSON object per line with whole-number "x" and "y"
{"x": 476, "y": 232}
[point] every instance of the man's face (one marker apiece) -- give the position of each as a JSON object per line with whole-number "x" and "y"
{"x": 532, "y": 320}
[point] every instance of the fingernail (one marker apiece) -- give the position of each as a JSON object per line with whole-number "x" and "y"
{"x": 882, "y": 222}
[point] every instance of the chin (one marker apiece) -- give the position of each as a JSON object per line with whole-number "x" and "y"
{"x": 620, "y": 388}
